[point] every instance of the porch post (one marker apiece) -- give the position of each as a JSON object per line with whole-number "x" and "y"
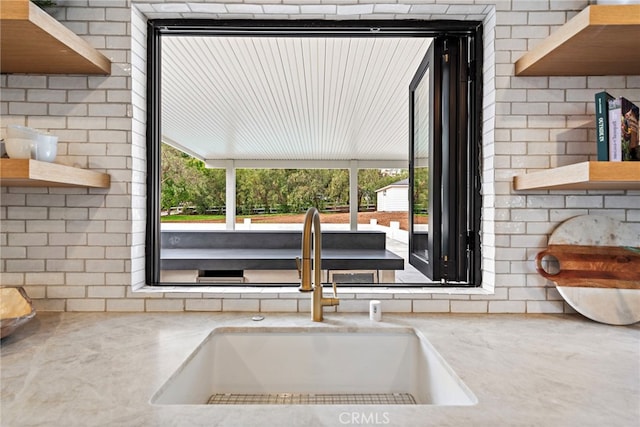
{"x": 353, "y": 195}
{"x": 230, "y": 195}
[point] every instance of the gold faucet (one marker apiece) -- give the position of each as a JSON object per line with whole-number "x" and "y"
{"x": 304, "y": 271}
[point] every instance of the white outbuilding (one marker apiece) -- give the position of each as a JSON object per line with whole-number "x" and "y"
{"x": 394, "y": 197}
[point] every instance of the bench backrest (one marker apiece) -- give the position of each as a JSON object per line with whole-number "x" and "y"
{"x": 234, "y": 239}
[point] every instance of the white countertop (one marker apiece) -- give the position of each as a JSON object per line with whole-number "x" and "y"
{"x": 95, "y": 369}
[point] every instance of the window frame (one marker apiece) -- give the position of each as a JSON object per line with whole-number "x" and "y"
{"x": 452, "y": 242}
{"x": 158, "y": 28}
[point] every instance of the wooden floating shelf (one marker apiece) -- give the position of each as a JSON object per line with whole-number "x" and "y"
{"x": 595, "y": 42}
{"x": 32, "y": 173}
{"x": 583, "y": 176}
{"x": 31, "y": 41}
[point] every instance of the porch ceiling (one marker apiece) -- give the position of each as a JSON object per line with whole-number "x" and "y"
{"x": 254, "y": 98}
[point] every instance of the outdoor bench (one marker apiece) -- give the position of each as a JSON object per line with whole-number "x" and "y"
{"x": 239, "y": 250}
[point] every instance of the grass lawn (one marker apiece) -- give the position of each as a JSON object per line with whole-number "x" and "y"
{"x": 191, "y": 218}
{"x": 215, "y": 218}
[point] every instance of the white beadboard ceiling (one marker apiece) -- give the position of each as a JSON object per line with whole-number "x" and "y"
{"x": 287, "y": 98}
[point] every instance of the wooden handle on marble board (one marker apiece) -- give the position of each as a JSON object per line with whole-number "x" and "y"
{"x": 593, "y": 266}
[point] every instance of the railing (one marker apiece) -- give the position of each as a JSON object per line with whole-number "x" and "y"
{"x": 259, "y": 210}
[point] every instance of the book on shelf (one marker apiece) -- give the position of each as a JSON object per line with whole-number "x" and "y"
{"x": 602, "y": 124}
{"x": 624, "y": 135}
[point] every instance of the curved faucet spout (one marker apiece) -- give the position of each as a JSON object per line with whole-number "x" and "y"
{"x": 311, "y": 226}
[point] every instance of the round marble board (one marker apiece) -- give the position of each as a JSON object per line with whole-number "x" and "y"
{"x": 614, "y": 306}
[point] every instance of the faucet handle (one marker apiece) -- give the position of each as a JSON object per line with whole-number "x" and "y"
{"x": 298, "y": 267}
{"x": 335, "y": 290}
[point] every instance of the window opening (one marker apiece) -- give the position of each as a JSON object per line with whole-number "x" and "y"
{"x": 444, "y": 220}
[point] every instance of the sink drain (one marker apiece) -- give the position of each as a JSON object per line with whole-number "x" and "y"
{"x": 312, "y": 399}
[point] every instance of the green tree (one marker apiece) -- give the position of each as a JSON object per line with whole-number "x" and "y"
{"x": 208, "y": 189}
{"x": 256, "y": 188}
{"x": 175, "y": 189}
{"x": 338, "y": 188}
{"x": 421, "y": 191}
{"x": 187, "y": 181}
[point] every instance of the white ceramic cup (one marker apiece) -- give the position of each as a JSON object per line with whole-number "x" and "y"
{"x": 19, "y": 148}
{"x": 45, "y": 148}
{"x": 20, "y": 141}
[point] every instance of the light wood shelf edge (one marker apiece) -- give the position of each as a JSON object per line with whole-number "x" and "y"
{"x": 586, "y": 45}
{"x": 33, "y": 173}
{"x": 31, "y": 41}
{"x": 583, "y": 176}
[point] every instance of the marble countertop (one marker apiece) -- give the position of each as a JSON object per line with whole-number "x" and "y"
{"x": 101, "y": 369}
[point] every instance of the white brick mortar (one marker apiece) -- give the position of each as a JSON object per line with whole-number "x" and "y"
{"x": 83, "y": 250}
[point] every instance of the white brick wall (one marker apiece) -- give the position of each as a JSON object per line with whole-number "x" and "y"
{"x": 83, "y": 249}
